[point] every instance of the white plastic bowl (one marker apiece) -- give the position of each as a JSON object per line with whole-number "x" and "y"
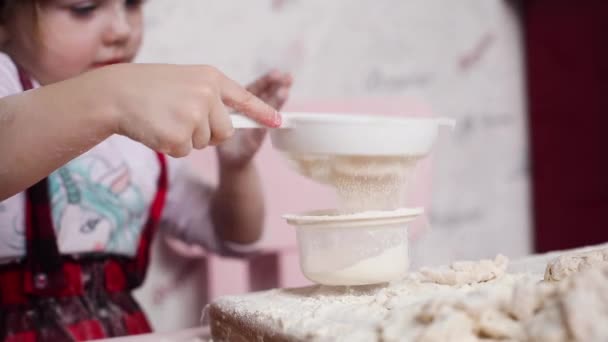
{"x": 348, "y": 250}
{"x": 346, "y": 134}
{"x": 352, "y": 134}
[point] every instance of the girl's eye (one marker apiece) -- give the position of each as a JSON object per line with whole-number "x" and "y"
{"x": 84, "y": 10}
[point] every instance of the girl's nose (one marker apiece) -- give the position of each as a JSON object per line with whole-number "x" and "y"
{"x": 118, "y": 28}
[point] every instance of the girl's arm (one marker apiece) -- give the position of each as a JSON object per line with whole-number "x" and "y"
{"x": 224, "y": 219}
{"x": 171, "y": 109}
{"x": 237, "y": 205}
{"x": 44, "y": 128}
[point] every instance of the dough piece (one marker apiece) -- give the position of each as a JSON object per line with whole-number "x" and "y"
{"x": 467, "y": 272}
{"x": 568, "y": 264}
{"x": 496, "y": 324}
{"x": 449, "y": 326}
{"x": 547, "y": 325}
{"x": 467, "y": 301}
{"x": 528, "y": 299}
{"x": 575, "y": 309}
{"x": 481, "y": 314}
{"x": 584, "y": 301}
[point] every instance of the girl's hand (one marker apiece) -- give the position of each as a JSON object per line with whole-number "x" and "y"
{"x": 272, "y": 88}
{"x": 173, "y": 109}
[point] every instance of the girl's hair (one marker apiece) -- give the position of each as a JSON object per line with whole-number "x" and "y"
{"x": 8, "y": 6}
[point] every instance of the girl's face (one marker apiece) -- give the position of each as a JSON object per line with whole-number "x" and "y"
{"x": 69, "y": 37}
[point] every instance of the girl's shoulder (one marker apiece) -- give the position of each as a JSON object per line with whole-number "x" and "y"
{"x": 9, "y": 77}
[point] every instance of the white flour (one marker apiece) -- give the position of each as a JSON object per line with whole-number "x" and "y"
{"x": 325, "y": 313}
{"x": 392, "y": 264}
{"x": 490, "y": 305}
{"x": 362, "y": 183}
{"x": 365, "y": 183}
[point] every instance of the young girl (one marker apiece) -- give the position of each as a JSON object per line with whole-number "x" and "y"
{"x": 81, "y": 186}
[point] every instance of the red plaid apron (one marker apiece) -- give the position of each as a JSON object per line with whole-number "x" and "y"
{"x": 54, "y": 297}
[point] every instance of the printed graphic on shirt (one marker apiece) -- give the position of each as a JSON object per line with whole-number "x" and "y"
{"x": 14, "y": 223}
{"x": 96, "y": 206}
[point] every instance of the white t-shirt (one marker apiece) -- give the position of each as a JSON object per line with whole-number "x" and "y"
{"x": 100, "y": 200}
